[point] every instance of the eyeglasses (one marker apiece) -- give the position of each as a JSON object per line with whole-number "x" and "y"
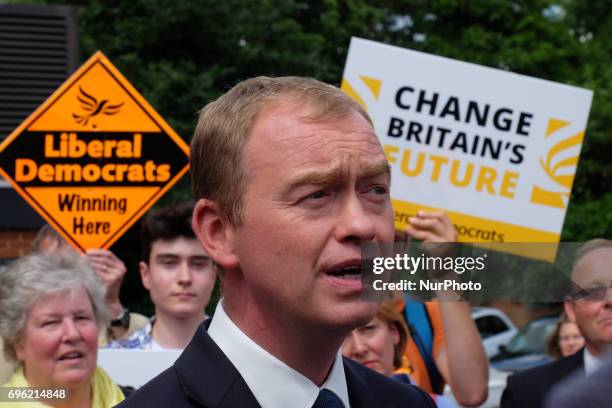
{"x": 593, "y": 294}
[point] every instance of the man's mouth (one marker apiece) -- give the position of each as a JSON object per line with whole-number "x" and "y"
{"x": 184, "y": 294}
{"x": 606, "y": 321}
{"x": 349, "y": 272}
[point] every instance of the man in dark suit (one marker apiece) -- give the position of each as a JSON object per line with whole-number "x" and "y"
{"x": 591, "y": 392}
{"x": 290, "y": 180}
{"x": 590, "y": 307}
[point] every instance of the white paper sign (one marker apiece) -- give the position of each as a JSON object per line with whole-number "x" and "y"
{"x": 134, "y": 368}
{"x": 498, "y": 151}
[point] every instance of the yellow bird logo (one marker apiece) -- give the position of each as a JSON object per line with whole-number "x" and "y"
{"x": 559, "y": 166}
{"x": 93, "y": 107}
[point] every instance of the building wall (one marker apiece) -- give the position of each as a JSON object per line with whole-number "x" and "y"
{"x": 39, "y": 45}
{"x": 15, "y": 243}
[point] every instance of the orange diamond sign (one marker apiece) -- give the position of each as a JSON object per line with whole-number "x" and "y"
{"x": 94, "y": 156}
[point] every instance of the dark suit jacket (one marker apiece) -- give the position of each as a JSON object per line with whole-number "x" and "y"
{"x": 590, "y": 392}
{"x": 204, "y": 377}
{"x": 529, "y": 388}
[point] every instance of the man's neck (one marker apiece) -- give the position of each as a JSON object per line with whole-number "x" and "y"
{"x": 598, "y": 351}
{"x": 592, "y": 360}
{"x": 174, "y": 333}
{"x": 308, "y": 350}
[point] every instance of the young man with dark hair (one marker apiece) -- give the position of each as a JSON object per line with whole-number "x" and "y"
{"x": 180, "y": 278}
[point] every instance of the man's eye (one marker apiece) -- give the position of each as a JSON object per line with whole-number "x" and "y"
{"x": 47, "y": 323}
{"x": 316, "y": 195}
{"x": 201, "y": 264}
{"x": 381, "y": 190}
{"x": 597, "y": 292}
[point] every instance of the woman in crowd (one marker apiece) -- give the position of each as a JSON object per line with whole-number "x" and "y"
{"x": 565, "y": 340}
{"x": 51, "y": 310}
{"x": 380, "y": 345}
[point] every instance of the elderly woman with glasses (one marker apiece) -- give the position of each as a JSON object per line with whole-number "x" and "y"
{"x": 51, "y": 311}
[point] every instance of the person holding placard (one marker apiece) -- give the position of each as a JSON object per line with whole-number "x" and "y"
{"x": 179, "y": 275}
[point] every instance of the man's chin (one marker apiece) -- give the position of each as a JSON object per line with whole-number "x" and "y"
{"x": 186, "y": 312}
{"x": 355, "y": 315}
{"x": 367, "y": 315}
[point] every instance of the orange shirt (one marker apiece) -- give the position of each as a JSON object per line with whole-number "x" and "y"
{"x": 419, "y": 374}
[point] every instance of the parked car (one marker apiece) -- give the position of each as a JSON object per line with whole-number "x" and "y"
{"x": 495, "y": 328}
{"x": 528, "y": 348}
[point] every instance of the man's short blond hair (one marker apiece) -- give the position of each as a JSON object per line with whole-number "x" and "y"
{"x": 217, "y": 171}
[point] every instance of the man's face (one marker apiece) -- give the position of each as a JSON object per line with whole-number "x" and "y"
{"x": 179, "y": 276}
{"x": 593, "y": 316}
{"x": 314, "y": 193}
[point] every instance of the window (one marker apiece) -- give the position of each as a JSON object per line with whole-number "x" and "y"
{"x": 490, "y": 326}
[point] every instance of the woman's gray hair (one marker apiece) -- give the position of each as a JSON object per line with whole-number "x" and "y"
{"x": 37, "y": 274}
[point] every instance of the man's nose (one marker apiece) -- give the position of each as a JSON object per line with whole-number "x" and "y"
{"x": 184, "y": 273}
{"x": 355, "y": 222}
{"x": 608, "y": 295}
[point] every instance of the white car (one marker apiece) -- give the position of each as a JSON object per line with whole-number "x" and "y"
{"x": 495, "y": 328}
{"x": 496, "y": 385}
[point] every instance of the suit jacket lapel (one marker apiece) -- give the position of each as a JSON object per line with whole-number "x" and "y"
{"x": 576, "y": 363}
{"x": 208, "y": 377}
{"x": 357, "y": 387}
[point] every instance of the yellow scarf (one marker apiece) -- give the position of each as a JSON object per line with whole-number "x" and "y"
{"x": 106, "y": 393}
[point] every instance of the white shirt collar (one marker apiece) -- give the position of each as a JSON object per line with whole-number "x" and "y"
{"x": 273, "y": 383}
{"x": 591, "y": 363}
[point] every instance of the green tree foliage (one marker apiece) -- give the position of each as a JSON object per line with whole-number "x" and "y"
{"x": 567, "y": 41}
{"x": 182, "y": 54}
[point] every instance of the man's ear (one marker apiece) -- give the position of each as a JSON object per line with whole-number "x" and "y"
{"x": 145, "y": 274}
{"x": 568, "y": 305}
{"x": 215, "y": 233}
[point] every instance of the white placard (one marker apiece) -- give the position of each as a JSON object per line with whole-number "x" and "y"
{"x": 135, "y": 368}
{"x": 498, "y": 151}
